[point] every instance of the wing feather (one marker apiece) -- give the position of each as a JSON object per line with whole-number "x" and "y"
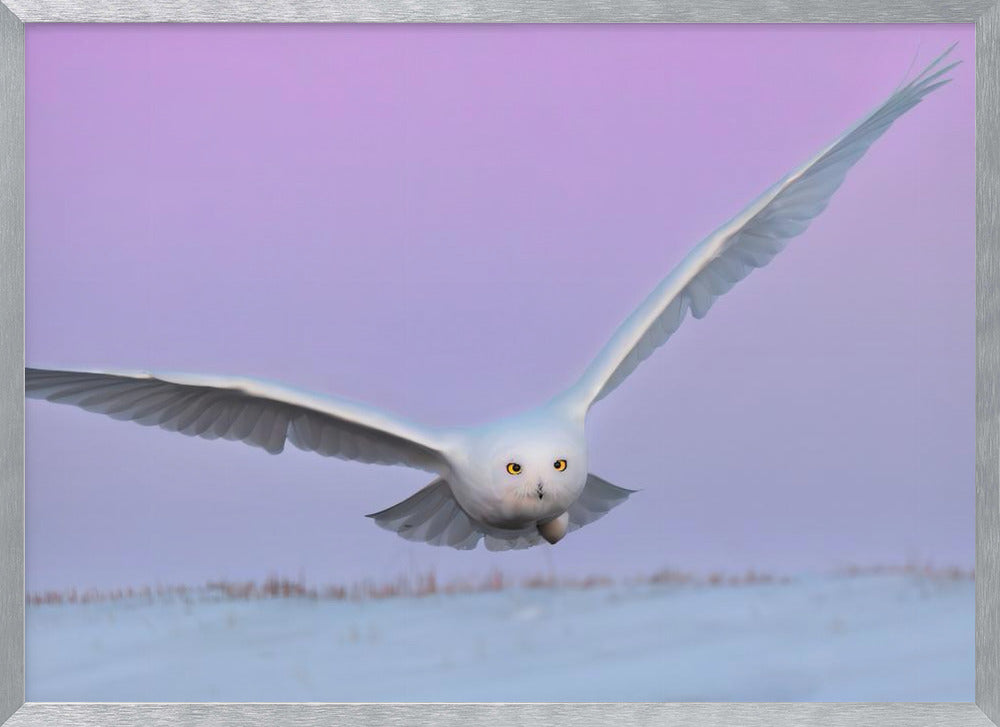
{"x": 597, "y": 499}
{"x": 260, "y": 414}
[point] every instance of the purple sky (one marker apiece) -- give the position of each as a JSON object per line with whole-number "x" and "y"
{"x": 449, "y": 222}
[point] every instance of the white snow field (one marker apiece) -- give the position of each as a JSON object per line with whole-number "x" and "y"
{"x": 832, "y": 638}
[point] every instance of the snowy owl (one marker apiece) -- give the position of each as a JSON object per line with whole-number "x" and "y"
{"x": 516, "y": 481}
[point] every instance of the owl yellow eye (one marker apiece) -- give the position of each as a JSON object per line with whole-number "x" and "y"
{"x": 559, "y": 464}
{"x": 513, "y": 468}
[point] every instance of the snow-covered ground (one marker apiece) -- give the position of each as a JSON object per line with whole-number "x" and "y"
{"x": 867, "y": 638}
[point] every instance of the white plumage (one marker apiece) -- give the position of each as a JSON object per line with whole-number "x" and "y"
{"x": 518, "y": 481}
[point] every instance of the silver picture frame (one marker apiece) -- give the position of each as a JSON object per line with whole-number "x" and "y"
{"x": 15, "y": 712}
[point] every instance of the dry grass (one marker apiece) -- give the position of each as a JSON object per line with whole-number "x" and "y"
{"x": 426, "y": 584}
{"x": 910, "y": 569}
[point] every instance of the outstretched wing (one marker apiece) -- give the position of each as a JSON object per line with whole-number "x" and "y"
{"x": 260, "y": 414}
{"x": 750, "y": 240}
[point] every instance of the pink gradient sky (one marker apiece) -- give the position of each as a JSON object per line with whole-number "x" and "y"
{"x": 449, "y": 222}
